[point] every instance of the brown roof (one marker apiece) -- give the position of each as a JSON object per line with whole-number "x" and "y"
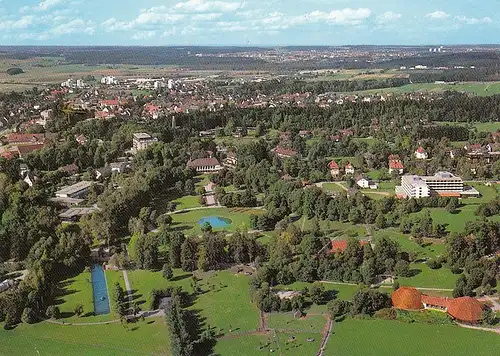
{"x": 25, "y": 138}
{"x": 203, "y": 162}
{"x": 395, "y": 164}
{"x": 25, "y": 149}
{"x": 465, "y": 309}
{"x": 285, "y": 151}
{"x": 435, "y": 301}
{"x": 341, "y": 245}
{"x": 407, "y": 298}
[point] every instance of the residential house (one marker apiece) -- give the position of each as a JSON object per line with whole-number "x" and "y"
{"x": 305, "y": 134}
{"x": 231, "y": 159}
{"x": 334, "y": 169}
{"x": 74, "y": 214}
{"x": 396, "y": 166}
{"x": 70, "y": 169}
{"x": 29, "y": 178}
{"x": 81, "y": 139}
{"x": 420, "y": 153}
{"x": 365, "y": 183}
{"x": 349, "y": 168}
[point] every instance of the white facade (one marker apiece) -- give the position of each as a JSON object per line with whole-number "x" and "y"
{"x": 109, "y": 80}
{"x": 421, "y": 155}
{"x": 442, "y": 183}
{"x": 142, "y": 141}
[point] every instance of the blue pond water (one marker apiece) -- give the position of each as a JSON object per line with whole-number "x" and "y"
{"x": 100, "y": 290}
{"x": 215, "y": 221}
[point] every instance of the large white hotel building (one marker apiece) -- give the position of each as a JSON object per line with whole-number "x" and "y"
{"x": 442, "y": 183}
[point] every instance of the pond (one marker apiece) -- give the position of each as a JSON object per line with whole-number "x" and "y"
{"x": 100, "y": 290}
{"x": 216, "y": 222}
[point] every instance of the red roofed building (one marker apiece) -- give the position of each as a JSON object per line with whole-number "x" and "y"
{"x": 465, "y": 309}
{"x": 23, "y": 150}
{"x": 284, "y": 152}
{"x": 420, "y": 153}
{"x": 407, "y": 298}
{"x": 396, "y": 166}
{"x": 339, "y": 246}
{"x": 349, "y": 168}
{"x": 24, "y": 139}
{"x": 112, "y": 104}
{"x": 334, "y": 169}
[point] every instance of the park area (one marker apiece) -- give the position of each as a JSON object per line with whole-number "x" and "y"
{"x": 353, "y": 337}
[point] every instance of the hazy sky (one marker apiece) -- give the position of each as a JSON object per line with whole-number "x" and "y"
{"x": 248, "y": 22}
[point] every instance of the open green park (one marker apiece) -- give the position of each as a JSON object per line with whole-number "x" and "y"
{"x": 387, "y": 337}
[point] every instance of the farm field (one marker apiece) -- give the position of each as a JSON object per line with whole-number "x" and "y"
{"x": 148, "y": 337}
{"x": 476, "y": 88}
{"x": 383, "y": 337}
{"x": 188, "y": 221}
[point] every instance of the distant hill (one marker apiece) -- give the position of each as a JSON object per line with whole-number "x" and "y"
{"x": 14, "y": 71}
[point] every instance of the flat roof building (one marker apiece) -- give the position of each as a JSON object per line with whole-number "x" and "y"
{"x": 142, "y": 141}
{"x": 78, "y": 190}
{"x": 444, "y": 184}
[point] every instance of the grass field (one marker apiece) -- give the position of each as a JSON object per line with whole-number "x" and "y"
{"x": 78, "y": 290}
{"x": 333, "y": 187}
{"x": 382, "y": 337}
{"x": 188, "y": 221}
{"x": 224, "y": 304}
{"x": 429, "y": 278}
{"x": 149, "y": 337}
{"x": 476, "y": 88}
{"x": 479, "y": 126}
{"x": 186, "y": 202}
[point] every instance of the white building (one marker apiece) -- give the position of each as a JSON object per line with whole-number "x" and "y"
{"x": 442, "y": 183}
{"x": 142, "y": 141}
{"x": 109, "y": 80}
{"x": 420, "y": 153}
{"x": 205, "y": 165}
{"x": 79, "y": 190}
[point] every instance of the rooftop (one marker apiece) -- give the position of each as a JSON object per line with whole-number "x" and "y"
{"x": 74, "y": 188}
{"x": 142, "y": 136}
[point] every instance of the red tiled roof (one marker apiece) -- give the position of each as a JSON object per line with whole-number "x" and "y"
{"x": 394, "y": 157}
{"x": 466, "y": 309}
{"x": 333, "y": 165}
{"x": 341, "y": 245}
{"x": 407, "y": 298}
{"x": 349, "y": 166}
{"x": 25, "y": 149}
{"x": 393, "y": 164}
{"x": 113, "y": 102}
{"x": 420, "y": 150}
{"x": 435, "y": 301}
{"x": 25, "y": 138}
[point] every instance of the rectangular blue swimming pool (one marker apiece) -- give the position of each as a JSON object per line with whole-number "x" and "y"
{"x": 100, "y": 290}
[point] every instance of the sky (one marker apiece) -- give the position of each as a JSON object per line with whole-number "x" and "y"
{"x": 248, "y": 22}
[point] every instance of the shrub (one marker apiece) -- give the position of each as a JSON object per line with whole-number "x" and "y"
{"x": 434, "y": 264}
{"x": 338, "y": 307}
{"x": 386, "y": 314}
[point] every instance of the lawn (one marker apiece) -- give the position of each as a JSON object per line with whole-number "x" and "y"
{"x": 224, "y": 304}
{"x": 384, "y": 337}
{"x": 334, "y": 187}
{"x": 186, "y": 202}
{"x": 149, "y": 337}
{"x": 429, "y": 278}
{"x": 430, "y": 250}
{"x": 479, "y": 126}
{"x": 286, "y": 321}
{"x": 343, "y": 291}
{"x": 188, "y": 221}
